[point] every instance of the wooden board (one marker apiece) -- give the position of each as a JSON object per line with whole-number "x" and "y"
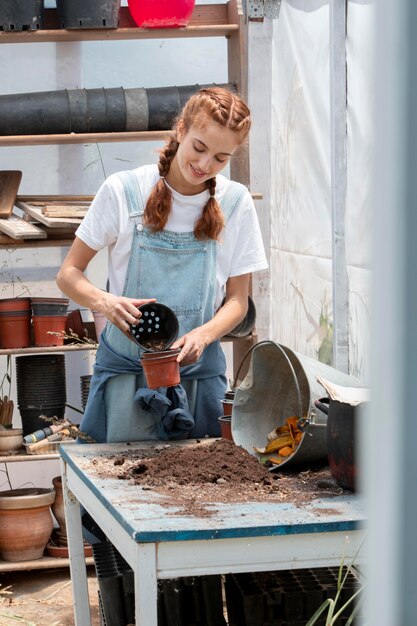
{"x": 18, "y": 228}
{"x": 9, "y": 185}
{"x": 65, "y": 210}
{"x": 52, "y": 222}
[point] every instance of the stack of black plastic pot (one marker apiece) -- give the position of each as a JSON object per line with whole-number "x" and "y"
{"x": 85, "y": 389}
{"x": 41, "y": 389}
{"x": 191, "y": 601}
{"x": 286, "y": 598}
{"x": 29, "y": 14}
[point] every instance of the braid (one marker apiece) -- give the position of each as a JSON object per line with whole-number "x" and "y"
{"x": 211, "y": 223}
{"x": 159, "y": 202}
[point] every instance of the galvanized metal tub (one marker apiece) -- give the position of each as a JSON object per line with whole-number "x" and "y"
{"x": 281, "y": 383}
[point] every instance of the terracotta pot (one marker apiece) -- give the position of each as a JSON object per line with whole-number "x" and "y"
{"x": 225, "y": 422}
{"x": 14, "y": 304}
{"x": 15, "y": 323}
{"x": 25, "y": 523}
{"x": 43, "y": 325}
{"x": 227, "y": 406}
{"x": 161, "y": 369}
{"x": 11, "y": 439}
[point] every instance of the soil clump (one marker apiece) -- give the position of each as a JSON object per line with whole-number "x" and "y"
{"x": 211, "y": 471}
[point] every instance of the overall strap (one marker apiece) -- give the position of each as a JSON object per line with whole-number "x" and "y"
{"x": 133, "y": 193}
{"x": 233, "y": 195}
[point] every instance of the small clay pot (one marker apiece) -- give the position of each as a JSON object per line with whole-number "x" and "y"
{"x": 15, "y": 331}
{"x": 11, "y": 439}
{"x": 25, "y": 523}
{"x": 161, "y": 369}
{"x": 227, "y": 406}
{"x": 44, "y": 325}
{"x": 225, "y": 422}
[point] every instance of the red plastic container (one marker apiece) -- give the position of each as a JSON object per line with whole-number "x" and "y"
{"x": 225, "y": 422}
{"x": 15, "y": 330}
{"x": 161, "y": 369}
{"x": 43, "y": 325}
{"x": 161, "y": 13}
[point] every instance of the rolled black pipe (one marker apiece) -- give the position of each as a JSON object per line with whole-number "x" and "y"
{"x": 38, "y": 113}
{"x": 79, "y": 121}
{"x": 97, "y": 110}
{"x": 93, "y": 110}
{"x": 116, "y": 109}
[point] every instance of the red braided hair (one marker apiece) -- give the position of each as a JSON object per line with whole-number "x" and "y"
{"x": 226, "y": 109}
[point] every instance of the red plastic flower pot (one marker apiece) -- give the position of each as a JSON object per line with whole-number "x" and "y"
{"x": 14, "y": 304}
{"x": 49, "y": 329}
{"x": 161, "y": 369}
{"x": 225, "y": 422}
{"x": 161, "y": 13}
{"x": 15, "y": 330}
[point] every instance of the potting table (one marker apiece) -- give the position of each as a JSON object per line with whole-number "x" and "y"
{"x": 159, "y": 540}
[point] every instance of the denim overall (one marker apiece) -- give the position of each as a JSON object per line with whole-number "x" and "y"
{"x": 180, "y": 271}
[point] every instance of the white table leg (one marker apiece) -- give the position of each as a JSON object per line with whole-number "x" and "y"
{"x": 76, "y": 554}
{"x": 146, "y": 591}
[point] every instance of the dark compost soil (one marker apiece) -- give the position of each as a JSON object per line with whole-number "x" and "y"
{"x": 215, "y": 471}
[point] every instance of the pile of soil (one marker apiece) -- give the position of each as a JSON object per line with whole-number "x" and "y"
{"x": 214, "y": 471}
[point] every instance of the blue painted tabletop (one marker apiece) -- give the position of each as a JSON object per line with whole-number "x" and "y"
{"x": 149, "y": 516}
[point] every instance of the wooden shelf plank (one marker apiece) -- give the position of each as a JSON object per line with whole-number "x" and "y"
{"x": 17, "y": 228}
{"x": 76, "y": 347}
{"x": 36, "y": 214}
{"x": 23, "y": 457}
{"x": 45, "y": 562}
{"x": 8, "y": 242}
{"x": 210, "y": 20}
{"x": 78, "y": 138}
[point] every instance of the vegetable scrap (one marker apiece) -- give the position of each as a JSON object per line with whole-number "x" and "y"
{"x": 283, "y": 441}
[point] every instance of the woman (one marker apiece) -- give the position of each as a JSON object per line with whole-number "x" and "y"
{"x": 182, "y": 234}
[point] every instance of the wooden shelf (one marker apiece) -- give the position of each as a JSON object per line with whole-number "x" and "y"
{"x": 86, "y": 138}
{"x": 210, "y": 20}
{"x": 45, "y": 562}
{"x": 23, "y": 456}
{"x": 41, "y": 350}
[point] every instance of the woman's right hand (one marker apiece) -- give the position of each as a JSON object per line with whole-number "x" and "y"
{"x": 122, "y": 311}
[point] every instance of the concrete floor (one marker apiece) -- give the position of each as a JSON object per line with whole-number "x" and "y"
{"x": 42, "y": 598}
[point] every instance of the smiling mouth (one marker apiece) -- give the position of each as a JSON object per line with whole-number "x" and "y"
{"x": 197, "y": 172}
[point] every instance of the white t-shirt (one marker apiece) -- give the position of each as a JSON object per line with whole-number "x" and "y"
{"x": 107, "y": 224}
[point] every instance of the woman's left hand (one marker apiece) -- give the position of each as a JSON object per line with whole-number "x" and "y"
{"x": 192, "y": 345}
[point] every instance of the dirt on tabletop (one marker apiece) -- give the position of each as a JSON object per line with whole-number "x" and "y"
{"x": 214, "y": 471}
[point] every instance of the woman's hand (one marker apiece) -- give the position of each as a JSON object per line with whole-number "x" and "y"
{"x": 122, "y": 311}
{"x": 192, "y": 345}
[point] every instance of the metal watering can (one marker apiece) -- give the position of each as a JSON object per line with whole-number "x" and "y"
{"x": 281, "y": 383}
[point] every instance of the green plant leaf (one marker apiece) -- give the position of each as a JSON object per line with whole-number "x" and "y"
{"x": 326, "y": 604}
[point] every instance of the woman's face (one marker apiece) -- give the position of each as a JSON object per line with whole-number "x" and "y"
{"x": 203, "y": 152}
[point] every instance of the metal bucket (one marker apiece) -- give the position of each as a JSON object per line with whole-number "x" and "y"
{"x": 281, "y": 383}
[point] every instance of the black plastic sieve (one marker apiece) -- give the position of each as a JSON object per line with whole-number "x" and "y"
{"x": 157, "y": 328}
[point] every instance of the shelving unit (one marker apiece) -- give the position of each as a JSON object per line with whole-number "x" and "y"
{"x": 215, "y": 20}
